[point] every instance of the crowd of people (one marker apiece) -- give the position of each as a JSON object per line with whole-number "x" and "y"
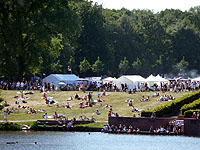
{"x": 35, "y": 83}
{"x": 25, "y": 88}
{"x": 196, "y": 115}
{"x": 171, "y": 86}
{"x": 121, "y": 129}
{"x": 174, "y": 127}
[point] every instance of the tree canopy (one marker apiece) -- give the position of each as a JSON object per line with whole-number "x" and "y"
{"x": 61, "y": 36}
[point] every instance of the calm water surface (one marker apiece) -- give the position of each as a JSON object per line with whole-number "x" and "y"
{"x": 94, "y": 141}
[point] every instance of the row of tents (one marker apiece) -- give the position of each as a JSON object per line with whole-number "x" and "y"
{"x": 132, "y": 81}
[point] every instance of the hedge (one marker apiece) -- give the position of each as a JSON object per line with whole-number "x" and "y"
{"x": 193, "y": 105}
{"x": 1, "y": 106}
{"x": 173, "y": 105}
{"x": 1, "y": 99}
{"x": 35, "y": 125}
{"x": 188, "y": 113}
{"x": 10, "y": 126}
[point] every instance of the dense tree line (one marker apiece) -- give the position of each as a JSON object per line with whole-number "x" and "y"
{"x": 78, "y": 36}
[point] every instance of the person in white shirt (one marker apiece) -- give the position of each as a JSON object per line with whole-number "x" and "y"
{"x": 22, "y": 85}
{"x": 18, "y": 85}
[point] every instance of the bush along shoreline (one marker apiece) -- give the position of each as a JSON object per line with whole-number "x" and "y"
{"x": 35, "y": 126}
{"x": 189, "y": 113}
{"x": 10, "y": 126}
{"x": 191, "y": 106}
{"x": 169, "y": 107}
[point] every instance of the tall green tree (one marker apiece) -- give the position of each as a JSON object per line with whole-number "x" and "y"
{"x": 84, "y": 66}
{"x": 91, "y": 42}
{"x": 71, "y": 64}
{"x": 98, "y": 66}
{"x": 124, "y": 66}
{"x": 49, "y": 61}
{"x": 137, "y": 65}
{"x": 186, "y": 44}
{"x": 181, "y": 66}
{"x": 27, "y": 28}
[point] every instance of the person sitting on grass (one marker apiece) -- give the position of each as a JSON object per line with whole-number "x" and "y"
{"x": 23, "y": 101}
{"x": 6, "y": 104}
{"x": 81, "y": 105}
{"x": 142, "y": 99}
{"x": 130, "y": 92}
{"x": 134, "y": 109}
{"x": 99, "y": 100}
{"x": 98, "y": 112}
{"x": 44, "y": 95}
{"x": 155, "y": 95}
{"x": 106, "y": 106}
{"x": 160, "y": 99}
{"x": 70, "y": 98}
{"x": 147, "y": 99}
{"x": 84, "y": 98}
{"x": 130, "y": 103}
{"x": 77, "y": 97}
{"x": 87, "y": 104}
{"x": 104, "y": 93}
{"x": 68, "y": 105}
{"x": 171, "y": 97}
{"x": 31, "y": 111}
{"x": 22, "y": 97}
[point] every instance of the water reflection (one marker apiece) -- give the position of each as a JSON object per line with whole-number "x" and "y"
{"x": 97, "y": 141}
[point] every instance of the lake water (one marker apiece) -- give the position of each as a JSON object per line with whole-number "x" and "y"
{"x": 94, "y": 141}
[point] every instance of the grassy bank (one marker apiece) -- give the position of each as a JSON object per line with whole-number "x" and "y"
{"x": 116, "y": 99}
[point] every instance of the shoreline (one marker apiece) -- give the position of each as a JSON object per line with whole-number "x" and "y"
{"x": 96, "y": 129}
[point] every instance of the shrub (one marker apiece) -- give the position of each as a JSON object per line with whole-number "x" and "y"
{"x": 173, "y": 105}
{"x": 34, "y": 125}
{"x": 1, "y": 106}
{"x": 188, "y": 113}
{"x": 1, "y": 99}
{"x": 10, "y": 126}
{"x": 193, "y": 105}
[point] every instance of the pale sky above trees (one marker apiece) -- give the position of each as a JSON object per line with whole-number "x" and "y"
{"x": 154, "y": 5}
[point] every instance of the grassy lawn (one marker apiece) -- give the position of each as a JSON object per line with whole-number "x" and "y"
{"x": 116, "y": 99}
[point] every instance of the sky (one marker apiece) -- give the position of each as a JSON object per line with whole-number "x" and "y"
{"x": 153, "y": 5}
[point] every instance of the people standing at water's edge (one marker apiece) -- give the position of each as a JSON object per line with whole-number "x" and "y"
{"x": 55, "y": 116}
{"x": 5, "y": 115}
{"x": 45, "y": 116}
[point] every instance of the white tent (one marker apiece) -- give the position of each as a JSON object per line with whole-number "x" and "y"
{"x": 93, "y": 79}
{"x": 160, "y": 79}
{"x": 109, "y": 79}
{"x": 132, "y": 81}
{"x": 59, "y": 79}
{"x": 196, "y": 79}
{"x": 151, "y": 80}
